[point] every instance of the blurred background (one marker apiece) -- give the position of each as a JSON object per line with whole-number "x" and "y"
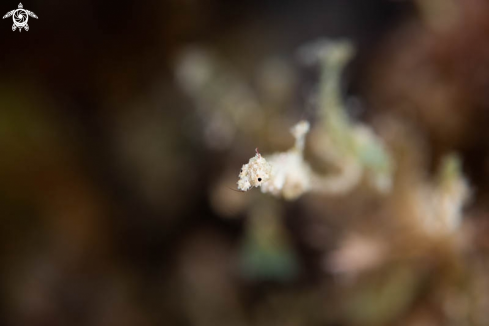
{"x": 123, "y": 127}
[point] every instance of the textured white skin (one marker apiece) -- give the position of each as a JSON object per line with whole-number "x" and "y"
{"x": 290, "y": 176}
{"x": 283, "y": 174}
{"x": 255, "y": 173}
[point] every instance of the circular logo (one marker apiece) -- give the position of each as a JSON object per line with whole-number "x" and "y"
{"x": 20, "y": 18}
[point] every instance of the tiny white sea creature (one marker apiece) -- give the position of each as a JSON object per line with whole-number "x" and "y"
{"x": 255, "y": 173}
{"x": 283, "y": 174}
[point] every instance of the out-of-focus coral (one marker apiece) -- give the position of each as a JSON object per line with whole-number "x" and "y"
{"x": 432, "y": 72}
{"x": 357, "y": 254}
{"x": 225, "y": 102}
{"x": 383, "y": 264}
{"x": 266, "y": 252}
{"x": 440, "y": 205}
{"x": 353, "y": 147}
{"x": 118, "y": 165}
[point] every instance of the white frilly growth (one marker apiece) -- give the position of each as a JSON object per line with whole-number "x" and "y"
{"x": 282, "y": 174}
{"x": 255, "y": 173}
{"x": 291, "y": 175}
